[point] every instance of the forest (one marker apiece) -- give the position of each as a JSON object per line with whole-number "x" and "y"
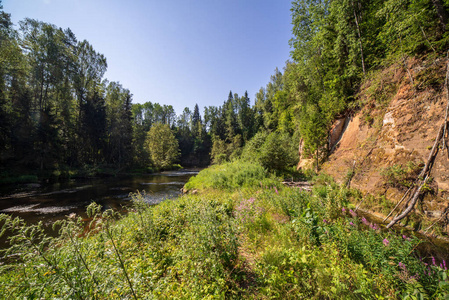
{"x": 238, "y": 231}
{"x": 59, "y": 114}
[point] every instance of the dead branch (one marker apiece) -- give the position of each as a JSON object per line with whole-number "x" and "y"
{"x": 447, "y": 105}
{"x": 304, "y": 185}
{"x": 424, "y": 174}
{"x": 399, "y": 203}
{"x": 447, "y": 97}
{"x": 443, "y": 215}
{"x": 410, "y": 206}
{"x": 409, "y": 73}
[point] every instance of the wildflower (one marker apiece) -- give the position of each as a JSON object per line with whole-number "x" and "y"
{"x": 325, "y": 221}
{"x": 352, "y": 224}
{"x": 433, "y": 261}
{"x": 276, "y": 190}
{"x": 353, "y": 213}
{"x": 416, "y": 276}
{"x": 401, "y": 265}
{"x": 405, "y": 237}
{"x": 343, "y": 210}
{"x": 444, "y": 264}
{"x": 386, "y": 242}
{"x": 374, "y": 226}
{"x": 364, "y": 221}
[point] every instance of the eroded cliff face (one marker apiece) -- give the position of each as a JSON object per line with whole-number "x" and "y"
{"x": 387, "y": 142}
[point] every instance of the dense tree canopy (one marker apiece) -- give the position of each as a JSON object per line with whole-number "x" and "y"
{"x": 58, "y": 112}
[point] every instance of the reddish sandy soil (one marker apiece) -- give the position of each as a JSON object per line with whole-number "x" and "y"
{"x": 400, "y": 131}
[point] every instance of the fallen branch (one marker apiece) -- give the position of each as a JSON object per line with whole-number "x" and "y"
{"x": 399, "y": 203}
{"x": 439, "y": 219}
{"x": 410, "y": 206}
{"x": 424, "y": 174}
{"x": 304, "y": 185}
{"x": 447, "y": 105}
{"x": 408, "y": 72}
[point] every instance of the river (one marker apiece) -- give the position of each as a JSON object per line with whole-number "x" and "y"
{"x": 50, "y": 202}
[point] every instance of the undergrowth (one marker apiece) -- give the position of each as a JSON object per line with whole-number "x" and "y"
{"x": 250, "y": 239}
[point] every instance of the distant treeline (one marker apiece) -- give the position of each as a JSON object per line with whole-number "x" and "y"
{"x": 57, "y": 111}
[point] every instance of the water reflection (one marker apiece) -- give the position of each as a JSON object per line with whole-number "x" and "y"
{"x": 51, "y": 202}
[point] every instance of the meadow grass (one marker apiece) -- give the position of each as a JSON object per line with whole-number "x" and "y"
{"x": 235, "y": 239}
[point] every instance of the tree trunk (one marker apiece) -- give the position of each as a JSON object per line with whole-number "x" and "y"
{"x": 360, "y": 38}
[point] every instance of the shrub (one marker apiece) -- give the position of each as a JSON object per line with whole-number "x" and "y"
{"x": 274, "y": 151}
{"x": 236, "y": 174}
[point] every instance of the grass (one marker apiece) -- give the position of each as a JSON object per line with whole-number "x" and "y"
{"x": 235, "y": 239}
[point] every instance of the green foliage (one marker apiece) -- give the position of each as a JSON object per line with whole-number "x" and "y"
{"x": 232, "y": 175}
{"x": 162, "y": 145}
{"x": 401, "y": 176}
{"x": 274, "y": 151}
{"x": 256, "y": 240}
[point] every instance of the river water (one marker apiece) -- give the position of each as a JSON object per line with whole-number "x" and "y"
{"x": 50, "y": 202}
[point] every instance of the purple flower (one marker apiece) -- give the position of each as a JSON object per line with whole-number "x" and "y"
{"x": 364, "y": 221}
{"x": 444, "y": 264}
{"x": 401, "y": 265}
{"x": 405, "y": 237}
{"x": 374, "y": 226}
{"x": 276, "y": 190}
{"x": 433, "y": 261}
{"x": 386, "y": 242}
{"x": 353, "y": 213}
{"x": 325, "y": 221}
{"x": 343, "y": 210}
{"x": 352, "y": 224}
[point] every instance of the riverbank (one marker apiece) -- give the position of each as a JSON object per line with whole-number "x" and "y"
{"x": 243, "y": 235}
{"x": 18, "y": 176}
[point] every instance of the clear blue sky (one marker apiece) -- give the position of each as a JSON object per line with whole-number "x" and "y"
{"x": 176, "y": 52}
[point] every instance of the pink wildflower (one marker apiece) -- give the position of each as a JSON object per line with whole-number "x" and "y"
{"x": 386, "y": 242}
{"x": 374, "y": 226}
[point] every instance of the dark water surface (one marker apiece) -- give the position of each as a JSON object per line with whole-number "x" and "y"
{"x": 50, "y": 202}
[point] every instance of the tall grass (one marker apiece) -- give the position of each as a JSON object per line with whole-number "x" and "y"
{"x": 256, "y": 241}
{"x": 230, "y": 176}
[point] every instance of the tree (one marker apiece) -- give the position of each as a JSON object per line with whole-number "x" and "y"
{"x": 162, "y": 145}
{"x": 93, "y": 128}
{"x": 196, "y": 124}
{"x": 245, "y": 117}
{"x": 119, "y": 124}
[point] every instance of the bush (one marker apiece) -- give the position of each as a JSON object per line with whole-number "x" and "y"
{"x": 274, "y": 151}
{"x": 236, "y": 174}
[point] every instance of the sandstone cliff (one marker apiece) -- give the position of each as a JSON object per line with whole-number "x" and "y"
{"x": 386, "y": 143}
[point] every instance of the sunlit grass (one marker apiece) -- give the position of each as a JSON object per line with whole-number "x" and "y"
{"x": 257, "y": 241}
